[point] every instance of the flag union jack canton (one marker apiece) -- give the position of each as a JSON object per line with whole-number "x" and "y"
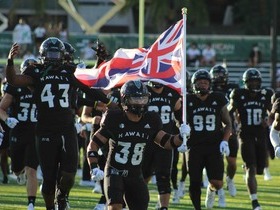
{"x": 161, "y": 62}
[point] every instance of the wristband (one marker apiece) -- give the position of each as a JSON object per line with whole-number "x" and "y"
{"x": 10, "y": 62}
{"x": 92, "y": 154}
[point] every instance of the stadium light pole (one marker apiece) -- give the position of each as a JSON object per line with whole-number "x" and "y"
{"x": 141, "y": 23}
{"x": 273, "y": 44}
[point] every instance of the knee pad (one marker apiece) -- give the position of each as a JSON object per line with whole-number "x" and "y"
{"x": 48, "y": 187}
{"x": 163, "y": 184}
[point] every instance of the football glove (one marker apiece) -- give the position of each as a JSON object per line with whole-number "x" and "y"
{"x": 11, "y": 122}
{"x": 185, "y": 130}
{"x": 1, "y": 138}
{"x": 100, "y": 50}
{"x": 78, "y": 127}
{"x": 96, "y": 174}
{"x": 277, "y": 151}
{"x": 183, "y": 148}
{"x": 224, "y": 149}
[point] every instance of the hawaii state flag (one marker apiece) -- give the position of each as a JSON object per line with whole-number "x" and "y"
{"x": 161, "y": 62}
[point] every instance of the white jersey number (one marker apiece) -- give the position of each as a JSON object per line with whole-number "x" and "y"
{"x": 48, "y": 96}
{"x": 208, "y": 123}
{"x": 23, "y": 114}
{"x": 164, "y": 113}
{"x": 136, "y": 158}
{"x": 254, "y": 116}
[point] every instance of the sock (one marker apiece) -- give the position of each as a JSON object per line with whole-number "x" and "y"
{"x": 253, "y": 197}
{"x": 31, "y": 199}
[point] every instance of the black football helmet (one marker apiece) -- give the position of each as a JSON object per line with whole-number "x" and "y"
{"x": 134, "y": 97}
{"x": 154, "y": 84}
{"x": 219, "y": 77}
{"x": 52, "y": 51}
{"x": 69, "y": 52}
{"x": 27, "y": 62}
{"x": 198, "y": 75}
{"x": 252, "y": 79}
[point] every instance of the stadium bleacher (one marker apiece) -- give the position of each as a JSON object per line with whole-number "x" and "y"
{"x": 236, "y": 70}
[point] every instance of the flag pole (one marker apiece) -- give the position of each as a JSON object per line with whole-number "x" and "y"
{"x": 184, "y": 71}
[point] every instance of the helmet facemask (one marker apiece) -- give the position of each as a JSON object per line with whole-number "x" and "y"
{"x": 199, "y": 87}
{"x": 254, "y": 85}
{"x": 136, "y": 104}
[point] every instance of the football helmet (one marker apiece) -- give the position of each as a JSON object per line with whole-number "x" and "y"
{"x": 219, "y": 76}
{"x": 27, "y": 62}
{"x": 198, "y": 75}
{"x": 134, "y": 97}
{"x": 252, "y": 79}
{"x": 154, "y": 84}
{"x": 69, "y": 52}
{"x": 52, "y": 51}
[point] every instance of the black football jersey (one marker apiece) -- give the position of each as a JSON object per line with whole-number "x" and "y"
{"x": 164, "y": 103}
{"x": 227, "y": 89}
{"x": 54, "y": 90}
{"x": 127, "y": 139}
{"x": 23, "y": 106}
{"x": 204, "y": 118}
{"x": 252, "y": 109}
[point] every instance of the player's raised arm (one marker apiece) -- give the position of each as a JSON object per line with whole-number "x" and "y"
{"x": 12, "y": 77}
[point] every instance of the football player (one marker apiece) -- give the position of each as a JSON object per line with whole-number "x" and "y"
{"x": 54, "y": 84}
{"x": 129, "y": 131}
{"x": 252, "y": 104}
{"x": 19, "y": 112}
{"x": 167, "y": 103}
{"x": 210, "y": 124}
{"x": 219, "y": 79}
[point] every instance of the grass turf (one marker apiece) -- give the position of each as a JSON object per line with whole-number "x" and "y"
{"x": 13, "y": 196}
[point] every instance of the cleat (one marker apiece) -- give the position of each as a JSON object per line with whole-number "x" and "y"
{"x": 30, "y": 207}
{"x": 176, "y": 197}
{"x": 100, "y": 206}
{"x": 231, "y": 187}
{"x": 222, "y": 199}
{"x": 267, "y": 175}
{"x": 210, "y": 198}
{"x": 97, "y": 188}
{"x": 256, "y": 205}
{"x": 181, "y": 189}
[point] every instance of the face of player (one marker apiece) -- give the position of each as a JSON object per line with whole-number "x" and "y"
{"x": 203, "y": 84}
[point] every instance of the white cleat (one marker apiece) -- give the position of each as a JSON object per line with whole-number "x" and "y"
{"x": 222, "y": 199}
{"x": 210, "y": 198}
{"x": 176, "y": 197}
{"x": 181, "y": 189}
{"x": 231, "y": 187}
{"x": 267, "y": 175}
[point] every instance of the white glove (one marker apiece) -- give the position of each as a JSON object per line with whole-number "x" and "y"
{"x": 78, "y": 127}
{"x": 277, "y": 151}
{"x": 183, "y": 148}
{"x": 11, "y": 122}
{"x": 1, "y": 138}
{"x": 185, "y": 130}
{"x": 224, "y": 149}
{"x": 96, "y": 174}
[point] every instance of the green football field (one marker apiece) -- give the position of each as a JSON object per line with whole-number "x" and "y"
{"x": 13, "y": 196}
